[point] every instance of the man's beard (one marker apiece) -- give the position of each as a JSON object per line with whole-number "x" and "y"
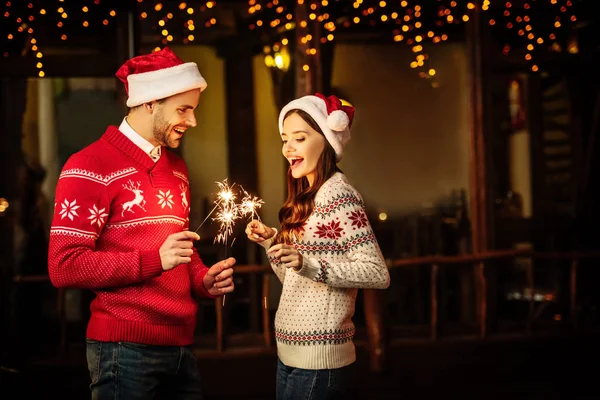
{"x": 161, "y": 130}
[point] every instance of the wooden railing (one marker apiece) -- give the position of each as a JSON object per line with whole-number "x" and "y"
{"x": 221, "y": 334}
{"x": 219, "y": 304}
{"x": 479, "y": 260}
{"x": 376, "y": 326}
{"x": 374, "y": 317}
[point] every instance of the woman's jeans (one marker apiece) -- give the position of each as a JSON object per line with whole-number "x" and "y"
{"x": 131, "y": 371}
{"x": 312, "y": 384}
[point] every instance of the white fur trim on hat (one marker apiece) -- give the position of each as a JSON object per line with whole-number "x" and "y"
{"x": 335, "y": 126}
{"x": 155, "y": 85}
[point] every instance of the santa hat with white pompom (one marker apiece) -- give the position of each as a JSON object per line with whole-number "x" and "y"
{"x": 333, "y": 118}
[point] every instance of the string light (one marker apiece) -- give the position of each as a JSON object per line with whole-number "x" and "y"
{"x": 538, "y": 35}
{"x": 406, "y": 20}
{"x": 408, "y": 25}
{"x": 416, "y": 39}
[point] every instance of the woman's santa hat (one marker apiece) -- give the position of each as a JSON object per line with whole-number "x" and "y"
{"x": 333, "y": 118}
{"x": 158, "y": 75}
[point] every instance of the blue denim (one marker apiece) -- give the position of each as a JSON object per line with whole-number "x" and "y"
{"x": 312, "y": 384}
{"x": 131, "y": 371}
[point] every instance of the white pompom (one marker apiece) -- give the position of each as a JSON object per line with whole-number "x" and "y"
{"x": 338, "y": 120}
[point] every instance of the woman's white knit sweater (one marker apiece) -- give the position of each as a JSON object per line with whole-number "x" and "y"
{"x": 313, "y": 324}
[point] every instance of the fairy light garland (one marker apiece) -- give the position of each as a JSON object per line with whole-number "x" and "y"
{"x": 26, "y": 26}
{"x": 306, "y": 37}
{"x": 407, "y": 22}
{"x": 88, "y": 13}
{"x": 535, "y": 36}
{"x": 32, "y": 42}
{"x": 167, "y": 13}
{"x": 418, "y": 43}
{"x": 405, "y": 18}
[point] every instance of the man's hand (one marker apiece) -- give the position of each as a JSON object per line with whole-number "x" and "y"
{"x": 177, "y": 249}
{"x": 219, "y": 278}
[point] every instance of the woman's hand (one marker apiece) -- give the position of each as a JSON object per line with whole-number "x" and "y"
{"x": 288, "y": 255}
{"x": 258, "y": 232}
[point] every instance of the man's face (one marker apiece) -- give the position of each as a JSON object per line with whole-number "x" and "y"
{"x": 172, "y": 117}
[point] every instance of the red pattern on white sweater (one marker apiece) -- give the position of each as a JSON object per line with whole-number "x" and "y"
{"x": 114, "y": 208}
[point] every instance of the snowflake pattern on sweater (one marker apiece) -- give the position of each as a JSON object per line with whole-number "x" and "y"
{"x": 313, "y": 324}
{"x": 114, "y": 208}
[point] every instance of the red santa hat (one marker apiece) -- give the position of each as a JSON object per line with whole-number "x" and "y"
{"x": 158, "y": 75}
{"x": 333, "y": 118}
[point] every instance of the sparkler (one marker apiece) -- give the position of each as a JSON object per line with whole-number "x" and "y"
{"x": 205, "y": 219}
{"x": 249, "y": 204}
{"x": 228, "y": 212}
{"x": 225, "y": 197}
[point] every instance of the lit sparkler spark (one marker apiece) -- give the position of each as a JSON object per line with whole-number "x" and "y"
{"x": 226, "y": 216}
{"x": 225, "y": 198}
{"x": 226, "y": 194}
{"x": 227, "y": 212}
{"x": 250, "y": 204}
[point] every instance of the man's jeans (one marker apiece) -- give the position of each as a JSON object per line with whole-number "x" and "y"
{"x": 312, "y": 384}
{"x": 132, "y": 371}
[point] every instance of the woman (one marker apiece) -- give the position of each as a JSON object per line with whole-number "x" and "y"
{"x": 324, "y": 252}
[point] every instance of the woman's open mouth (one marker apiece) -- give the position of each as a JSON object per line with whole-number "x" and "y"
{"x": 295, "y": 161}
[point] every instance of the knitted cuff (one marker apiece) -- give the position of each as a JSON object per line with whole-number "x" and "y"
{"x": 199, "y": 288}
{"x": 267, "y": 243}
{"x": 150, "y": 264}
{"x": 311, "y": 268}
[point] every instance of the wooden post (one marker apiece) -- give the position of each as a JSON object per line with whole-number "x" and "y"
{"x": 220, "y": 320}
{"x": 128, "y": 43}
{"x": 482, "y": 309}
{"x": 128, "y": 34}
{"x": 375, "y": 329}
{"x": 241, "y": 135}
{"x": 48, "y": 143}
{"x": 242, "y": 164}
{"x": 266, "y": 321}
{"x": 434, "y": 301}
{"x": 573, "y": 291}
{"x": 539, "y": 202}
{"x": 62, "y": 320}
{"x": 531, "y": 286}
{"x": 480, "y": 201}
{"x": 478, "y": 146}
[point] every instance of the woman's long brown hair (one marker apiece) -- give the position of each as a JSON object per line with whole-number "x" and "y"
{"x": 301, "y": 196}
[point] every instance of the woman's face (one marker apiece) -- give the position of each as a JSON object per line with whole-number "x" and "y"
{"x": 302, "y": 147}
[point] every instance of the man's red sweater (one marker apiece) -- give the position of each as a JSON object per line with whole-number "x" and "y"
{"x": 114, "y": 208}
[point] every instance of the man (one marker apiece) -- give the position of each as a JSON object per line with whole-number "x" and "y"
{"x": 120, "y": 228}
